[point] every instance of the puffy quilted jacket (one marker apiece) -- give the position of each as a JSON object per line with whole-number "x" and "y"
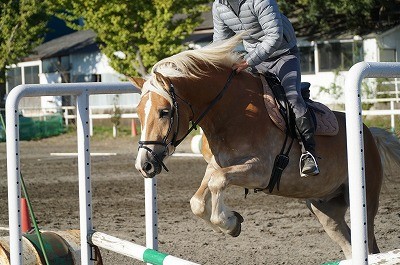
{"x": 267, "y": 32}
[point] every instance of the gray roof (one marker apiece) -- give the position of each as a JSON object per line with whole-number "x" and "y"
{"x": 77, "y": 42}
{"x": 85, "y": 41}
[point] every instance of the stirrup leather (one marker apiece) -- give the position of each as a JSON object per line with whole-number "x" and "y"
{"x": 303, "y": 157}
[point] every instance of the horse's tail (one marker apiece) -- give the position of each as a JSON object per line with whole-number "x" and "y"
{"x": 389, "y": 149}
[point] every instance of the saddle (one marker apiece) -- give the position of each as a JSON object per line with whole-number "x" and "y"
{"x": 282, "y": 115}
{"x": 324, "y": 119}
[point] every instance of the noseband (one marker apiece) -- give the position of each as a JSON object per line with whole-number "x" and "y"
{"x": 175, "y": 116}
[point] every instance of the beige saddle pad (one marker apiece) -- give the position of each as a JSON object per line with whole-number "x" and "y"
{"x": 327, "y": 123}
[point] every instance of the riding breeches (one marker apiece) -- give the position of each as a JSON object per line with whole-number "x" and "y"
{"x": 287, "y": 68}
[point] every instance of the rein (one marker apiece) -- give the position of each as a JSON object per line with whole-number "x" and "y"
{"x": 215, "y": 100}
{"x": 175, "y": 112}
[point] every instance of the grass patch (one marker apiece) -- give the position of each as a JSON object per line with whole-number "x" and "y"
{"x": 106, "y": 131}
{"x": 383, "y": 122}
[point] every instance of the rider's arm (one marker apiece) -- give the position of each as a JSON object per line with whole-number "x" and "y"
{"x": 270, "y": 20}
{"x": 221, "y": 30}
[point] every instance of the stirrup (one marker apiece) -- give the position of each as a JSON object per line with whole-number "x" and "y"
{"x": 303, "y": 157}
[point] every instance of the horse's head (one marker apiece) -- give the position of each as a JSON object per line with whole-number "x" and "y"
{"x": 165, "y": 111}
{"x": 163, "y": 122}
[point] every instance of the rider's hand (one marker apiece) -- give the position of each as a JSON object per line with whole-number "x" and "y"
{"x": 238, "y": 67}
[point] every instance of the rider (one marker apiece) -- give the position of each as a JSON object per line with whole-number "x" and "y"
{"x": 270, "y": 42}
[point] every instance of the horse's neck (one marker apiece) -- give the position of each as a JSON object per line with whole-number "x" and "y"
{"x": 240, "y": 109}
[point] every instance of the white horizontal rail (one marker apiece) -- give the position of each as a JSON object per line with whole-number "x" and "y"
{"x": 135, "y": 251}
{"x": 381, "y": 112}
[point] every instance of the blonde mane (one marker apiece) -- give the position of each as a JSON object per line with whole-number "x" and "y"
{"x": 186, "y": 63}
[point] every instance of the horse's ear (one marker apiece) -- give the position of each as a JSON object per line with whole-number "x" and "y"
{"x": 137, "y": 81}
{"x": 162, "y": 79}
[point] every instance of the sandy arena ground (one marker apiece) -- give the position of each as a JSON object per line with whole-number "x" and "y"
{"x": 276, "y": 230}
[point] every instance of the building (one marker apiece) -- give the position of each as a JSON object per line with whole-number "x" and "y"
{"x": 76, "y": 57}
{"x": 72, "y": 58}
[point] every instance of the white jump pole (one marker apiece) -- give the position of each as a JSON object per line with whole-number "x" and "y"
{"x": 82, "y": 91}
{"x": 135, "y": 251}
{"x": 151, "y": 218}
{"x": 355, "y": 151}
{"x": 85, "y": 191}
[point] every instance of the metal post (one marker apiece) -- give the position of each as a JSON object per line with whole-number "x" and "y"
{"x": 150, "y": 185}
{"x": 392, "y": 124}
{"x": 82, "y": 90}
{"x": 355, "y": 151}
{"x": 85, "y": 192}
{"x": 90, "y": 121}
{"x": 13, "y": 175}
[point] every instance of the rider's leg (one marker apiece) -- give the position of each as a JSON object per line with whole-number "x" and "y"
{"x": 289, "y": 74}
{"x": 287, "y": 69}
{"x": 306, "y": 129}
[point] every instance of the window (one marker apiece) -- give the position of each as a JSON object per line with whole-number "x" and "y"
{"x": 23, "y": 73}
{"x": 53, "y": 65}
{"x": 86, "y": 78}
{"x": 339, "y": 55}
{"x": 50, "y": 65}
{"x": 14, "y": 77}
{"x": 307, "y": 62}
{"x": 387, "y": 55}
{"x": 31, "y": 74}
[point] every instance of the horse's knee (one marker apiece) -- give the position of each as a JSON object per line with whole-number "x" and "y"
{"x": 217, "y": 183}
{"x": 198, "y": 206}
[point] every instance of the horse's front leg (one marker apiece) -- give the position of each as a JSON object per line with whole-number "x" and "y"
{"x": 248, "y": 175}
{"x": 200, "y": 203}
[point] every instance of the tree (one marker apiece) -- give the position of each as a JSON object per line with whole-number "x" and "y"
{"x": 23, "y": 26}
{"x": 330, "y": 18}
{"x": 134, "y": 35}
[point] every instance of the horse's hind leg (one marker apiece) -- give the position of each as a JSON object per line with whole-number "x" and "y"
{"x": 331, "y": 214}
{"x": 372, "y": 209}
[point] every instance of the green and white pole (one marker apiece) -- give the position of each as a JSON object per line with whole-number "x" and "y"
{"x": 135, "y": 251}
{"x": 388, "y": 258}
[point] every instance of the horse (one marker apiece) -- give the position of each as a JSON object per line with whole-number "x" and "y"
{"x": 240, "y": 142}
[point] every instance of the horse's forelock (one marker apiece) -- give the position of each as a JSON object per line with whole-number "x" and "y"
{"x": 156, "y": 88}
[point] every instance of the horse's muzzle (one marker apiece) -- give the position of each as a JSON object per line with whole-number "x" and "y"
{"x": 148, "y": 165}
{"x": 149, "y": 169}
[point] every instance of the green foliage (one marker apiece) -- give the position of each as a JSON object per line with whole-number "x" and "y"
{"x": 116, "y": 115}
{"x": 331, "y": 17}
{"x": 383, "y": 87}
{"x": 106, "y": 132}
{"x": 335, "y": 90}
{"x": 142, "y": 31}
{"x": 23, "y": 25}
{"x": 382, "y": 122}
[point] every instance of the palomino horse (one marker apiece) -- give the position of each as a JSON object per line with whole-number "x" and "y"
{"x": 242, "y": 142}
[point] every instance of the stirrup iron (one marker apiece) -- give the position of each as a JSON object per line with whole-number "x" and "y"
{"x": 303, "y": 157}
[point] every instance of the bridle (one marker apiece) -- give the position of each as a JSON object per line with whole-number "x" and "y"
{"x": 174, "y": 116}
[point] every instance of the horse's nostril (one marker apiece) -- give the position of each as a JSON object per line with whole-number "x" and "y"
{"x": 147, "y": 167}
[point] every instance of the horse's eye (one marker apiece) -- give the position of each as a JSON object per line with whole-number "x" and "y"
{"x": 164, "y": 113}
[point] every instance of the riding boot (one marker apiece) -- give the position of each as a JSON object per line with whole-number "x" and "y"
{"x": 308, "y": 163}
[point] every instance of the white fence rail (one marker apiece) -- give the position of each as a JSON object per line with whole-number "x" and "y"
{"x": 392, "y": 111}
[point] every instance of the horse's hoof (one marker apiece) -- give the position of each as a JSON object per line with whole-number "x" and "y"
{"x": 238, "y": 216}
{"x": 239, "y": 220}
